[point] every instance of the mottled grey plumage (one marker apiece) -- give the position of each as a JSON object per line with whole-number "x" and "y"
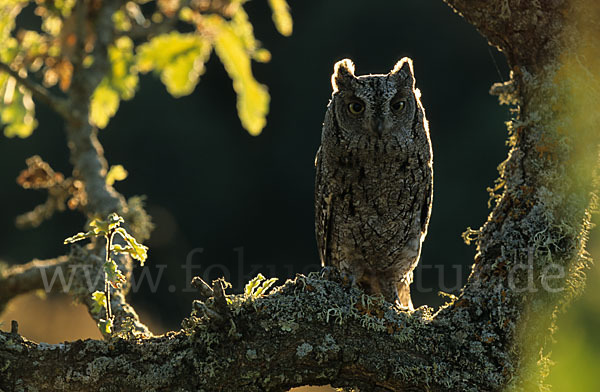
{"x": 374, "y": 180}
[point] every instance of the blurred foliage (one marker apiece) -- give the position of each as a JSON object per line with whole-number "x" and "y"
{"x": 147, "y": 40}
{"x": 575, "y": 353}
{"x": 177, "y": 58}
{"x": 253, "y": 98}
{"x": 116, "y": 173}
{"x": 120, "y": 83}
{"x": 281, "y": 16}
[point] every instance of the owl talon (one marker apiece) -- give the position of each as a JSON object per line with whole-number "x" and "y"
{"x": 348, "y": 280}
{"x": 330, "y": 273}
{"x": 335, "y": 275}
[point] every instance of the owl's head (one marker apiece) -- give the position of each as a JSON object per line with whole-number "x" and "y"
{"x": 374, "y": 105}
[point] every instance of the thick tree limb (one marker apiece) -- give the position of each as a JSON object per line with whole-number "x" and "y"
{"x": 79, "y": 274}
{"x": 87, "y": 155}
{"x": 22, "y": 279}
{"x": 272, "y": 343}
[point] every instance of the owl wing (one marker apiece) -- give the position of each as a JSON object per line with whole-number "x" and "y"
{"x": 323, "y": 209}
{"x": 427, "y": 203}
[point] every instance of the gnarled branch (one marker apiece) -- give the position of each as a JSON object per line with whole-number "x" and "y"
{"x": 79, "y": 274}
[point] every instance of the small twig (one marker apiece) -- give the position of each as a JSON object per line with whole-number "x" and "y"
{"x": 205, "y": 290}
{"x": 37, "y": 274}
{"x": 138, "y": 32}
{"x": 14, "y": 327}
{"x": 218, "y": 288}
{"x": 59, "y": 105}
{"x": 109, "y": 240}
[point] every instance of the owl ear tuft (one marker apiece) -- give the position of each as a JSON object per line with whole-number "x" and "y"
{"x": 404, "y": 70}
{"x": 343, "y": 73}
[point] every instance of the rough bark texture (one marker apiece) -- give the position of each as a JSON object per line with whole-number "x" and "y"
{"x": 493, "y": 337}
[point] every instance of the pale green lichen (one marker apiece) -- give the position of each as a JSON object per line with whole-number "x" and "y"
{"x": 251, "y": 354}
{"x": 303, "y": 350}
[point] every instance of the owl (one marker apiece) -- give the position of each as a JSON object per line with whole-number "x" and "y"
{"x": 374, "y": 180}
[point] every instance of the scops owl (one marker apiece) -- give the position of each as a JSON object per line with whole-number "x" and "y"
{"x": 374, "y": 180}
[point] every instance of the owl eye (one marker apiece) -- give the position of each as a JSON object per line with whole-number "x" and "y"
{"x": 398, "y": 105}
{"x": 356, "y": 108}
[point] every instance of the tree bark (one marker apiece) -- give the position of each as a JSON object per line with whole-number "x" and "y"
{"x": 493, "y": 337}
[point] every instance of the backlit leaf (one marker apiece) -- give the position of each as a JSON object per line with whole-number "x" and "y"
{"x": 281, "y": 16}
{"x": 265, "y": 287}
{"x": 120, "y": 83}
{"x": 123, "y": 77}
{"x": 105, "y": 326}
{"x": 253, "y": 98}
{"x": 116, "y": 173}
{"x": 253, "y": 284}
{"x": 258, "y": 286}
{"x": 18, "y": 114}
{"x": 104, "y": 105}
{"x": 178, "y": 59}
{"x": 134, "y": 248}
{"x": 99, "y": 301}
{"x": 104, "y": 227}
{"x": 79, "y": 237}
{"x": 113, "y": 274}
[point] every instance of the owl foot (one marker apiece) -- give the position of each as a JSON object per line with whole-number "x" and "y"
{"x": 335, "y": 275}
{"x": 404, "y": 308}
{"x": 330, "y": 273}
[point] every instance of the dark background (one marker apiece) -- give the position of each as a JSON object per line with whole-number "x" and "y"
{"x": 211, "y": 185}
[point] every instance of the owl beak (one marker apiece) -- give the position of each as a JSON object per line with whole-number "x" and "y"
{"x": 377, "y": 126}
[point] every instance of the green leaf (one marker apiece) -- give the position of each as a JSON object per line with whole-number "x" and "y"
{"x": 178, "y": 59}
{"x": 116, "y": 173}
{"x": 258, "y": 286}
{"x": 113, "y": 274}
{"x": 252, "y": 284}
{"x": 123, "y": 77}
{"x": 253, "y": 98}
{"x": 80, "y": 236}
{"x": 135, "y": 249}
{"x": 104, "y": 227}
{"x": 282, "y": 17}
{"x": 9, "y": 10}
{"x": 241, "y": 26}
{"x": 98, "y": 228}
{"x": 104, "y": 105}
{"x": 265, "y": 287}
{"x": 17, "y": 110}
{"x": 99, "y": 301}
{"x": 121, "y": 21}
{"x": 122, "y": 249}
{"x": 105, "y": 326}
{"x": 120, "y": 83}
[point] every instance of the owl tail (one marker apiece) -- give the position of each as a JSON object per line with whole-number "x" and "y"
{"x": 404, "y": 301}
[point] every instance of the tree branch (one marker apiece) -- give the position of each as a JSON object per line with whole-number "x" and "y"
{"x": 79, "y": 274}
{"x": 22, "y": 279}
{"x": 59, "y": 105}
{"x": 361, "y": 341}
{"x": 87, "y": 155}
